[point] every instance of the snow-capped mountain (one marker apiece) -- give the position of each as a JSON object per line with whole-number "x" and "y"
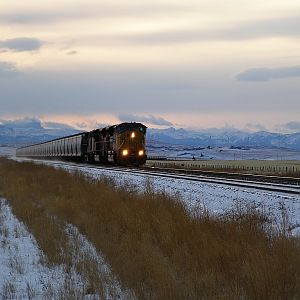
{"x": 223, "y": 138}
{"x": 28, "y": 131}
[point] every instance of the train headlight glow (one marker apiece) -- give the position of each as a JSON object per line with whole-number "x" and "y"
{"x": 141, "y": 152}
{"x": 125, "y": 152}
{"x": 132, "y": 135}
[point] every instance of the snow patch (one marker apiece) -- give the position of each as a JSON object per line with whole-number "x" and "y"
{"x": 24, "y": 275}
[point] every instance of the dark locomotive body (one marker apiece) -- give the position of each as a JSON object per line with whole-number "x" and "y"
{"x": 122, "y": 144}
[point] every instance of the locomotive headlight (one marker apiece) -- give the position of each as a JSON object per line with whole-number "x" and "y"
{"x": 125, "y": 152}
{"x": 132, "y": 135}
{"x": 141, "y": 152}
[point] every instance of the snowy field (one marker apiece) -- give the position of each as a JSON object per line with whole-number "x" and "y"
{"x": 26, "y": 276}
{"x": 212, "y": 196}
{"x": 7, "y": 151}
{"x": 224, "y": 153}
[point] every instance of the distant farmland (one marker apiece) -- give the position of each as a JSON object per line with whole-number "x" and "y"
{"x": 284, "y": 167}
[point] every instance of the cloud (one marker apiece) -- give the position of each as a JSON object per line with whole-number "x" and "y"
{"x": 90, "y": 125}
{"x": 211, "y": 99}
{"x": 290, "y": 127}
{"x": 287, "y": 26}
{"x": 294, "y": 125}
{"x": 23, "y": 123}
{"x": 71, "y": 52}
{"x": 254, "y": 127}
{"x": 96, "y": 11}
{"x": 150, "y": 119}
{"x": 8, "y": 70}
{"x": 22, "y": 44}
{"x": 54, "y": 125}
{"x": 279, "y": 27}
{"x": 267, "y": 74}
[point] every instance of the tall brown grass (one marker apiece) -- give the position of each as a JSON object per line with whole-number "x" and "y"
{"x": 152, "y": 242}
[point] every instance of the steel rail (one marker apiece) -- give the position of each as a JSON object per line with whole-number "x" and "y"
{"x": 233, "y": 175}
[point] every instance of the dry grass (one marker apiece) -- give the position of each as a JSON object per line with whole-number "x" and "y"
{"x": 151, "y": 241}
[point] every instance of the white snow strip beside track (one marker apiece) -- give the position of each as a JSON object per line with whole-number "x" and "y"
{"x": 215, "y": 197}
{"x": 24, "y": 276}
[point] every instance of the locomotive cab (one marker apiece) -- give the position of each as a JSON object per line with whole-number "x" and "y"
{"x": 130, "y": 143}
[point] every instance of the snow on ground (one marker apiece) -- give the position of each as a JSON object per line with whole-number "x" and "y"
{"x": 214, "y": 197}
{"x": 25, "y": 276}
{"x": 224, "y": 153}
{"x": 22, "y": 274}
{"x": 7, "y": 151}
{"x": 82, "y": 251}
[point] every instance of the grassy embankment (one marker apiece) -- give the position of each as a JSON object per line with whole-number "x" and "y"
{"x": 152, "y": 243}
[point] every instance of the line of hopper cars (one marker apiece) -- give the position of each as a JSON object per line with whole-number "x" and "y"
{"x": 122, "y": 144}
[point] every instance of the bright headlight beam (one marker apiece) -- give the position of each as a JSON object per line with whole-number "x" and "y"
{"x": 141, "y": 152}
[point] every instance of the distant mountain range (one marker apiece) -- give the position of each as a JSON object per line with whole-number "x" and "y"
{"x": 223, "y": 138}
{"x": 29, "y": 131}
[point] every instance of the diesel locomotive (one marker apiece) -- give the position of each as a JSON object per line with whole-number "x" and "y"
{"x": 122, "y": 144}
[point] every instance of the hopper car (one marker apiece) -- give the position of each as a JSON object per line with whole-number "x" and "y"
{"x": 122, "y": 144}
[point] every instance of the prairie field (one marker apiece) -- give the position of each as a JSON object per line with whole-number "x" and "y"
{"x": 155, "y": 247}
{"x": 268, "y": 167}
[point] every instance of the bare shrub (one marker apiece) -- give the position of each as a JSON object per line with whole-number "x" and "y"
{"x": 19, "y": 231}
{"x": 16, "y": 263}
{"x": 70, "y": 290}
{"x": 49, "y": 291}
{"x": 4, "y": 234}
{"x": 8, "y": 291}
{"x": 30, "y": 291}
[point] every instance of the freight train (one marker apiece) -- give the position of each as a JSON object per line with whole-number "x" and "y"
{"x": 122, "y": 144}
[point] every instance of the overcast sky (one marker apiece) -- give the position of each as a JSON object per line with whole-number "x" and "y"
{"x": 196, "y": 63}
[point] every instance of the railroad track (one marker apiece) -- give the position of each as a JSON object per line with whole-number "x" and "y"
{"x": 190, "y": 176}
{"x": 233, "y": 175}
